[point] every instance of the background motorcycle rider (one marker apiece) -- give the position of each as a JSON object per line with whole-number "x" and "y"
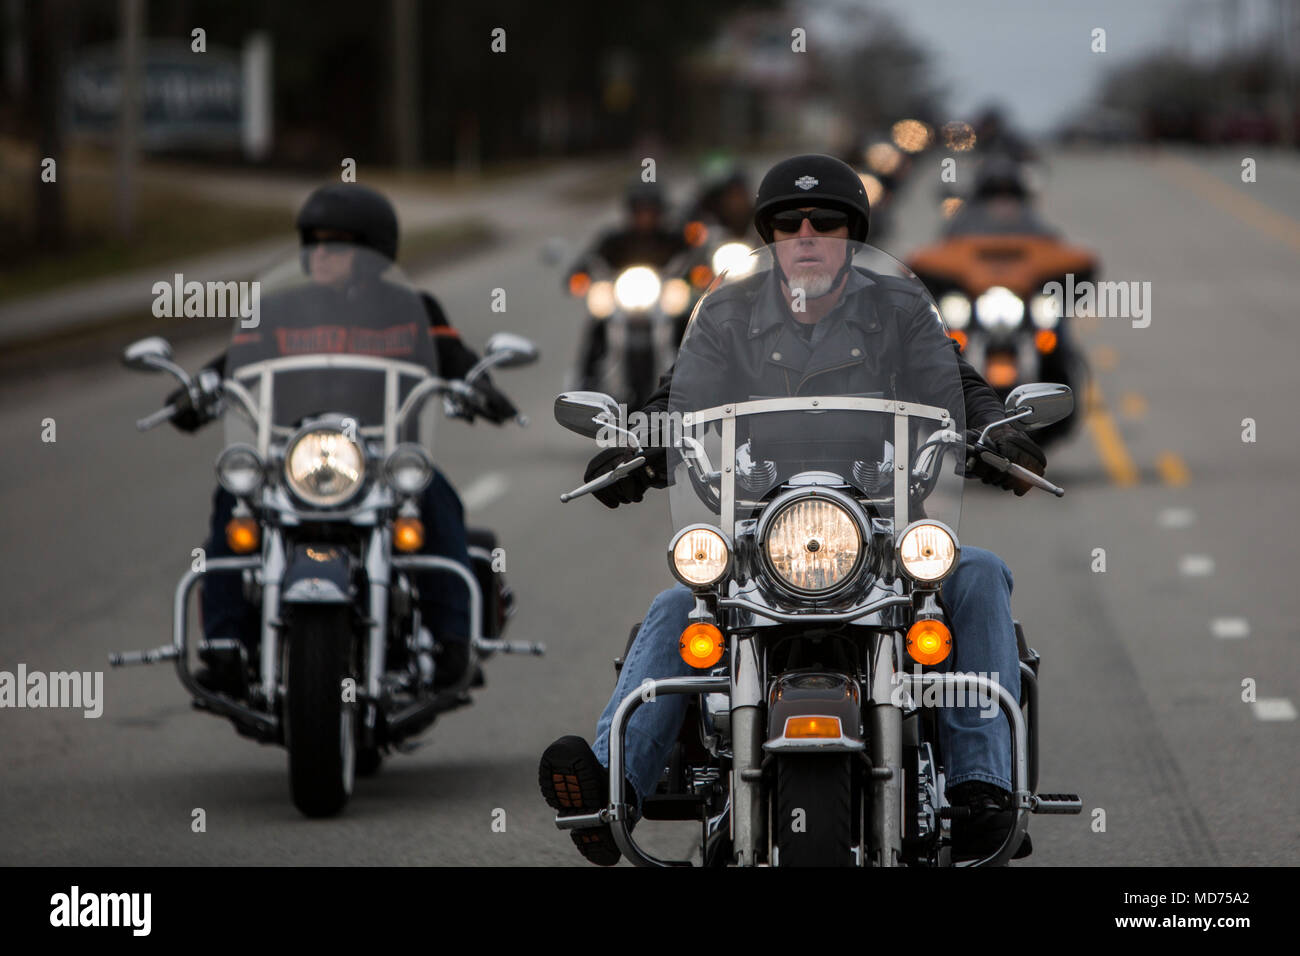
{"x": 333, "y": 222}
{"x": 978, "y": 593}
{"x": 1001, "y": 202}
{"x": 725, "y": 204}
{"x": 644, "y": 239}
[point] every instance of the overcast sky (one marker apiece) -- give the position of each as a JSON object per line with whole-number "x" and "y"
{"x": 1035, "y": 56}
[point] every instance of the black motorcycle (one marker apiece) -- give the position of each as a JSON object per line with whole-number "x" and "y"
{"x": 327, "y": 454}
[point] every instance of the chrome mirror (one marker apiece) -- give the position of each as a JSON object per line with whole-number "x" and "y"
{"x": 1040, "y": 403}
{"x": 587, "y": 413}
{"x": 147, "y": 355}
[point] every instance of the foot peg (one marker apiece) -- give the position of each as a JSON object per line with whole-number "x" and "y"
{"x": 583, "y": 821}
{"x": 673, "y": 806}
{"x": 167, "y": 652}
{"x": 510, "y": 647}
{"x": 1055, "y": 803}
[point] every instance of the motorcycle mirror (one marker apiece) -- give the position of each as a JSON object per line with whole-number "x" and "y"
{"x": 508, "y": 350}
{"x": 586, "y": 412}
{"x": 1045, "y": 402}
{"x": 145, "y": 354}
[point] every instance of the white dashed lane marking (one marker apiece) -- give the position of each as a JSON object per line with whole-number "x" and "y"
{"x": 484, "y": 490}
{"x": 1177, "y": 518}
{"x": 1230, "y": 628}
{"x": 1196, "y": 565}
{"x": 1274, "y": 708}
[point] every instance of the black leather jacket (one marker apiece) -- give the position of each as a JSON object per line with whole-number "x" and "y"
{"x": 884, "y": 337}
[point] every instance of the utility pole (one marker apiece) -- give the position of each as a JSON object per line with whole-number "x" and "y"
{"x": 47, "y": 43}
{"x": 406, "y": 103}
{"x": 131, "y": 43}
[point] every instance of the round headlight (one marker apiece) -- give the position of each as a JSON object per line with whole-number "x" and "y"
{"x": 731, "y": 257}
{"x": 324, "y": 467}
{"x": 239, "y": 470}
{"x": 1045, "y": 311}
{"x": 637, "y": 288}
{"x": 955, "y": 309}
{"x": 928, "y": 551}
{"x": 999, "y": 306}
{"x": 676, "y": 296}
{"x": 409, "y": 469}
{"x": 813, "y": 544}
{"x": 600, "y": 299}
{"x": 699, "y": 556}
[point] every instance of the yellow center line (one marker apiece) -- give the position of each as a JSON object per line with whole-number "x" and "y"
{"x": 1246, "y": 208}
{"x": 1110, "y": 446}
{"x": 1173, "y": 469}
{"x": 1132, "y": 406}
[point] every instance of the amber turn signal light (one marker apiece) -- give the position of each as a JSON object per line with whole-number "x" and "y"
{"x": 1001, "y": 371}
{"x": 695, "y": 233}
{"x": 1045, "y": 339}
{"x": 959, "y": 337}
{"x": 579, "y": 283}
{"x": 700, "y": 276}
{"x": 243, "y": 535}
{"x": 929, "y": 641}
{"x": 803, "y": 728}
{"x": 701, "y": 645}
{"x": 408, "y": 534}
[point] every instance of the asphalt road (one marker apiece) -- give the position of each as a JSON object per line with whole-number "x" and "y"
{"x": 1142, "y": 702}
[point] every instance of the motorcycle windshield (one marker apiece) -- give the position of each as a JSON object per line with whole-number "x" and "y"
{"x": 338, "y": 331}
{"x": 815, "y": 361}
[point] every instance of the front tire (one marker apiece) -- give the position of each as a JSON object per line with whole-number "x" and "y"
{"x": 319, "y": 727}
{"x": 814, "y": 810}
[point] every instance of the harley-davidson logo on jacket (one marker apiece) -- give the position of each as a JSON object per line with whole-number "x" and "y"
{"x": 393, "y": 342}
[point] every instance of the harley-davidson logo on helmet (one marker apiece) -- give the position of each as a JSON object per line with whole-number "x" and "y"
{"x": 806, "y": 182}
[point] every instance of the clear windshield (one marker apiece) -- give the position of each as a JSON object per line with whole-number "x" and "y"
{"x": 338, "y": 330}
{"x": 822, "y": 361}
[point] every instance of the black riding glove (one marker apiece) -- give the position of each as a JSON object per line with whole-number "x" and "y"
{"x": 632, "y": 486}
{"x": 1013, "y": 445}
{"x": 187, "y": 418}
{"x": 494, "y": 405}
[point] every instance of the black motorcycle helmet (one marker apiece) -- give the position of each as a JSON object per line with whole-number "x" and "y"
{"x": 348, "y": 207}
{"x": 640, "y": 193}
{"x": 812, "y": 180}
{"x": 1000, "y": 176}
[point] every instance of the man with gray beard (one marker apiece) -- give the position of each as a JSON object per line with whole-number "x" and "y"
{"x": 812, "y": 325}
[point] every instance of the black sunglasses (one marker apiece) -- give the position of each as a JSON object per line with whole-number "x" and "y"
{"x": 823, "y": 220}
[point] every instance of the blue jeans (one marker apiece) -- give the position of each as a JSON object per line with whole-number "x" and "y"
{"x": 976, "y": 746}
{"x": 444, "y": 605}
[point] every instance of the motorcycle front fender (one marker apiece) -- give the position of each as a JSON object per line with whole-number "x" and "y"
{"x": 317, "y": 574}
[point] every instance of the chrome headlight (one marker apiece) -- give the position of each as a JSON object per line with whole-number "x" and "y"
{"x": 927, "y": 551}
{"x": 637, "y": 289}
{"x": 955, "y": 309}
{"x": 699, "y": 556}
{"x": 240, "y": 470}
{"x": 324, "y": 467}
{"x": 409, "y": 469}
{"x": 813, "y": 544}
{"x": 999, "y": 306}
